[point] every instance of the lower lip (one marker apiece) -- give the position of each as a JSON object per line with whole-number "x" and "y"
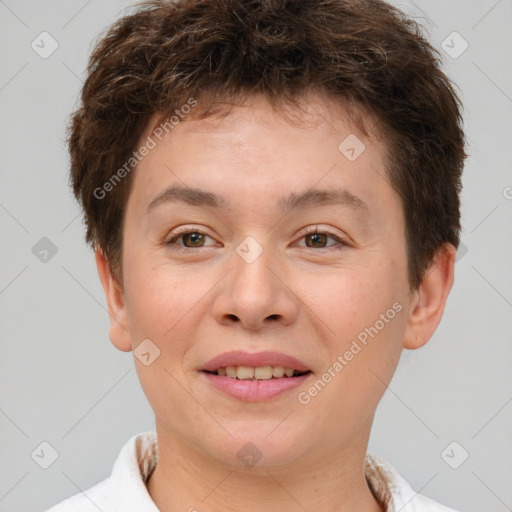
{"x": 255, "y": 390}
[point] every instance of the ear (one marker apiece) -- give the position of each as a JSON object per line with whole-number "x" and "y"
{"x": 119, "y": 331}
{"x": 430, "y": 298}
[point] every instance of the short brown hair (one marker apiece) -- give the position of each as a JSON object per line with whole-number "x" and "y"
{"x": 362, "y": 52}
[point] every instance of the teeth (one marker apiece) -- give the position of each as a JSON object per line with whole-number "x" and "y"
{"x": 245, "y": 372}
{"x": 263, "y": 372}
{"x": 277, "y": 371}
{"x": 231, "y": 371}
{"x": 258, "y": 373}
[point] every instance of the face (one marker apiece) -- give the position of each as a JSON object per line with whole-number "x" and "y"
{"x": 252, "y": 241}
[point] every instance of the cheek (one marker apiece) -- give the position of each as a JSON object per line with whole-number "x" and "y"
{"x": 364, "y": 339}
{"x": 348, "y": 300}
{"x": 160, "y": 310}
{"x": 165, "y": 309}
{"x": 169, "y": 306}
{"x": 359, "y": 317}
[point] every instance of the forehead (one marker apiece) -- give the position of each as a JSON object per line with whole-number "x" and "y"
{"x": 256, "y": 151}
{"x": 313, "y": 110}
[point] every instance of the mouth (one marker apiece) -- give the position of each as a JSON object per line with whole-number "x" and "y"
{"x": 257, "y": 373}
{"x": 255, "y": 377}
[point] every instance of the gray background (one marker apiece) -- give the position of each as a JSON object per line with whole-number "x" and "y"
{"x": 62, "y": 381}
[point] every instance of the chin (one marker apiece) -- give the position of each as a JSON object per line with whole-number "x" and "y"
{"x": 253, "y": 446}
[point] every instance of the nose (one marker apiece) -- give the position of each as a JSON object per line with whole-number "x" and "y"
{"x": 256, "y": 295}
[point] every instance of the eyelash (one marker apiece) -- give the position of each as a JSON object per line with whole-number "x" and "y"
{"x": 309, "y": 231}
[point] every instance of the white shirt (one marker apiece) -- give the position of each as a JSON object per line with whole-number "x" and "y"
{"x": 125, "y": 490}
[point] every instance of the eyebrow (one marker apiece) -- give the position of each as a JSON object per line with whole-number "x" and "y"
{"x": 308, "y": 199}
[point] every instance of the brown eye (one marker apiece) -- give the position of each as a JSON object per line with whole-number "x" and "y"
{"x": 316, "y": 240}
{"x": 194, "y": 239}
{"x": 189, "y": 240}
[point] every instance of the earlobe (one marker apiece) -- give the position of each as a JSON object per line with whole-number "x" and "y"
{"x": 429, "y": 300}
{"x": 119, "y": 331}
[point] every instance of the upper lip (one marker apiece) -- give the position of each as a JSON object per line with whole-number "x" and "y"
{"x": 254, "y": 359}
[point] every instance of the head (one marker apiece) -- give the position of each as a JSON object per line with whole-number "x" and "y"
{"x": 272, "y": 120}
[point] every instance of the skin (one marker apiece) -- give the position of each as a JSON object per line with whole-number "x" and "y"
{"x": 310, "y": 302}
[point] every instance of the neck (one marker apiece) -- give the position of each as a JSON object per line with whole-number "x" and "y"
{"x": 186, "y": 479}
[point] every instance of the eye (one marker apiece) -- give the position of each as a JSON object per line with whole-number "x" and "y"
{"x": 191, "y": 239}
{"x": 317, "y": 239}
{"x": 195, "y": 238}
